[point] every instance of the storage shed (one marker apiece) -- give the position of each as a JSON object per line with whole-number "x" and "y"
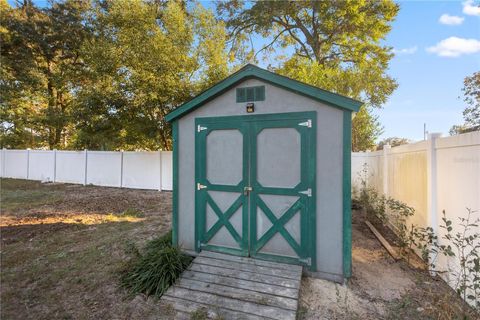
{"x": 261, "y": 168}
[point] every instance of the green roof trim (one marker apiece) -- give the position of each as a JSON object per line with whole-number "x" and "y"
{"x": 252, "y": 71}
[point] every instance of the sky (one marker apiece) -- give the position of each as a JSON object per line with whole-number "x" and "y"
{"x": 436, "y": 45}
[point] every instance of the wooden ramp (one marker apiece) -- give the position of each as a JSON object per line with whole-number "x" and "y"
{"x": 230, "y": 287}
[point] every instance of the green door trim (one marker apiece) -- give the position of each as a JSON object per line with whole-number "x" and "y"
{"x": 347, "y": 215}
{"x": 257, "y": 117}
{"x": 347, "y": 194}
{"x": 308, "y": 148}
{"x": 175, "y": 183}
{"x": 278, "y": 226}
{"x": 202, "y": 236}
{"x": 306, "y": 249}
{"x": 223, "y": 218}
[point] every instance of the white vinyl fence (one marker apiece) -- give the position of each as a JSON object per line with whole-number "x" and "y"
{"x": 432, "y": 176}
{"x": 127, "y": 169}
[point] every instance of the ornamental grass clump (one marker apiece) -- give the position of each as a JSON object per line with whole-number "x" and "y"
{"x": 154, "y": 271}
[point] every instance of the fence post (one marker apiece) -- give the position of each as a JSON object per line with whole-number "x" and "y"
{"x": 386, "y": 149}
{"x": 121, "y": 168}
{"x": 54, "y": 165}
{"x": 160, "y": 170}
{"x": 86, "y": 164}
{"x": 4, "y": 156}
{"x": 28, "y": 162}
{"x": 432, "y": 213}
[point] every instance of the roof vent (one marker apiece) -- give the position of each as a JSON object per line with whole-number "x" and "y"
{"x": 250, "y": 94}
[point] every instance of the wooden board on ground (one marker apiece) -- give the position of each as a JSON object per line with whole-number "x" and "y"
{"x": 383, "y": 241}
{"x": 236, "y": 288}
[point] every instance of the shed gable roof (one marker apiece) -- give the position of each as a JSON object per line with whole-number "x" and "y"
{"x": 250, "y": 71}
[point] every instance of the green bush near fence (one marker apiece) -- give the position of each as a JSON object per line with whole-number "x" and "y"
{"x": 464, "y": 244}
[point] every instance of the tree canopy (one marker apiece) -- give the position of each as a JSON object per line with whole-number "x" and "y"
{"x": 393, "y": 142}
{"x": 145, "y": 59}
{"x": 103, "y": 74}
{"x": 40, "y": 68}
{"x": 335, "y": 45}
{"x": 471, "y": 113}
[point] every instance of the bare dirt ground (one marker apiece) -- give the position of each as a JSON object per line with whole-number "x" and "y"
{"x": 380, "y": 288}
{"x": 62, "y": 247}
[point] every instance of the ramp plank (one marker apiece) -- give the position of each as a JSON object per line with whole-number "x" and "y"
{"x": 243, "y": 284}
{"x": 247, "y": 267}
{"x": 238, "y": 293}
{"x": 231, "y": 287}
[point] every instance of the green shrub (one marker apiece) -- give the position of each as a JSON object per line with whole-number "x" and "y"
{"x": 159, "y": 242}
{"x": 373, "y": 203}
{"x": 154, "y": 271}
{"x": 464, "y": 245}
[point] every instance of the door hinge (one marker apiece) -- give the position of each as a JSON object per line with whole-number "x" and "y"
{"x": 307, "y": 261}
{"x": 307, "y": 123}
{"x": 201, "y": 186}
{"x": 308, "y": 192}
{"x": 200, "y": 128}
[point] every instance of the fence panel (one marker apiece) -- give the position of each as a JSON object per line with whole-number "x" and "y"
{"x": 440, "y": 174}
{"x": 368, "y": 167}
{"x": 141, "y": 170}
{"x": 104, "y": 168}
{"x": 167, "y": 171}
{"x": 15, "y": 164}
{"x": 458, "y": 183}
{"x": 41, "y": 165}
{"x": 458, "y": 173}
{"x": 70, "y": 167}
{"x": 407, "y": 178}
{"x": 132, "y": 169}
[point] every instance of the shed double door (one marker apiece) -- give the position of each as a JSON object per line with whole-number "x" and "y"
{"x": 255, "y": 182}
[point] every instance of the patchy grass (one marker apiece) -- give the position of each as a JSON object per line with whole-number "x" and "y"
{"x": 62, "y": 251}
{"x": 17, "y": 199}
{"x": 132, "y": 212}
{"x": 430, "y": 298}
{"x": 199, "y": 314}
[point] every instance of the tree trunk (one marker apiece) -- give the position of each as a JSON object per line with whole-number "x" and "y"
{"x": 50, "y": 112}
{"x": 59, "y": 119}
{"x": 166, "y": 145}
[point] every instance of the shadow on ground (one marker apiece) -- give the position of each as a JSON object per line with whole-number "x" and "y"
{"x": 62, "y": 251}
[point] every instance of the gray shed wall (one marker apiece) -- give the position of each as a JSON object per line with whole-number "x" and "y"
{"x": 329, "y": 165}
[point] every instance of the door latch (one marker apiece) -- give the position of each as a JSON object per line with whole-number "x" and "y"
{"x": 247, "y": 190}
{"x": 201, "y": 186}
{"x": 307, "y": 192}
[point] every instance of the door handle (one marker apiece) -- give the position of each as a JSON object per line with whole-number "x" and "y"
{"x": 247, "y": 190}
